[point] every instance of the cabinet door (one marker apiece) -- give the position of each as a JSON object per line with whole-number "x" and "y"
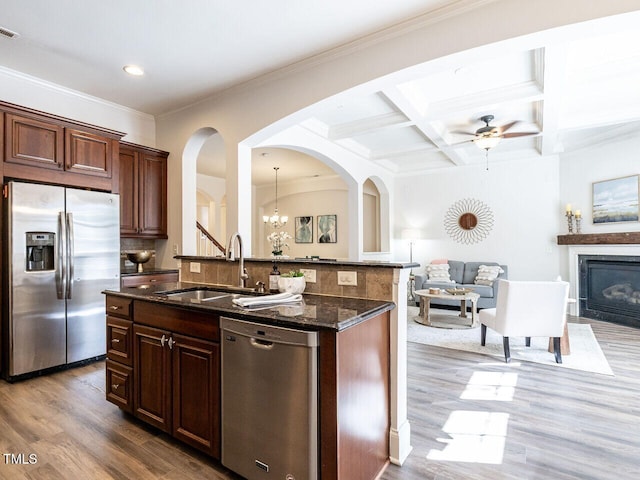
{"x": 34, "y": 142}
{"x": 153, "y": 196}
{"x": 87, "y": 153}
{"x": 128, "y": 179}
{"x": 196, "y": 399}
{"x": 152, "y": 374}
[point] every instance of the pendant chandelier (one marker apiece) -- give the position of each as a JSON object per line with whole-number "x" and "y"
{"x": 276, "y": 220}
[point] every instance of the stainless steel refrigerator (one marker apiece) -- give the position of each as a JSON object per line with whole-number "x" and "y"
{"x": 64, "y": 250}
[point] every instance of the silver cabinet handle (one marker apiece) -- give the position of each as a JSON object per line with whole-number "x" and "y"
{"x": 115, "y": 340}
{"x": 163, "y": 340}
{"x": 115, "y": 386}
{"x": 114, "y": 307}
{"x": 172, "y": 342}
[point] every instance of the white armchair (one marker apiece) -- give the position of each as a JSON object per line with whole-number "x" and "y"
{"x": 527, "y": 309}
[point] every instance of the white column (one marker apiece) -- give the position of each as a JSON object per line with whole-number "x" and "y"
{"x": 400, "y": 431}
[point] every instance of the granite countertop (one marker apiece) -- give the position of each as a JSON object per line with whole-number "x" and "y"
{"x": 309, "y": 260}
{"x": 133, "y": 270}
{"x": 315, "y": 312}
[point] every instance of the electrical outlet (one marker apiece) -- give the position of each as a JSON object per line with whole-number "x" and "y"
{"x": 194, "y": 267}
{"x": 309, "y": 275}
{"x": 175, "y": 248}
{"x": 348, "y": 278}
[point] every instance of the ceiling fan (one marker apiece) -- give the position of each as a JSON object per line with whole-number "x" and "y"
{"x": 488, "y": 137}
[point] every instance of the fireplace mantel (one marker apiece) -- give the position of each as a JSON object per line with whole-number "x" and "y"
{"x": 617, "y": 238}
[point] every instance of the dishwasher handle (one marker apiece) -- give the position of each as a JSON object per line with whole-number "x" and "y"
{"x": 262, "y": 344}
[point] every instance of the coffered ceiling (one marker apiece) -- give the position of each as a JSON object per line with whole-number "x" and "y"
{"x": 575, "y": 88}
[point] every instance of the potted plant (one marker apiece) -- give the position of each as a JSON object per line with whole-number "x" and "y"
{"x": 278, "y": 241}
{"x": 292, "y": 282}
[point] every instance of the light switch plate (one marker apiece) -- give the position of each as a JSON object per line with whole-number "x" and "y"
{"x": 309, "y": 275}
{"x": 194, "y": 267}
{"x": 348, "y": 278}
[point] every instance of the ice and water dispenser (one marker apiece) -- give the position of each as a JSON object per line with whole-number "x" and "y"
{"x": 40, "y": 251}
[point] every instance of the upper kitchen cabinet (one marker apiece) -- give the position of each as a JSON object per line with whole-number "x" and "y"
{"x": 45, "y": 148}
{"x": 143, "y": 191}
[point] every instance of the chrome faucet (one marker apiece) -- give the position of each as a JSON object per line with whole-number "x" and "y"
{"x": 242, "y": 272}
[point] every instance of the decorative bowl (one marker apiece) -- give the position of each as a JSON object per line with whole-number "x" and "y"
{"x": 139, "y": 257}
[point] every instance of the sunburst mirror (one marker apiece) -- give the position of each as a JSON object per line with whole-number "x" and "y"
{"x": 468, "y": 221}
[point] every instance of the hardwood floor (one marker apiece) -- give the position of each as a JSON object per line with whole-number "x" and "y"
{"x": 531, "y": 421}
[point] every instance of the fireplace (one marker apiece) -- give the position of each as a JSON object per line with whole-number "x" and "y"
{"x": 610, "y": 288}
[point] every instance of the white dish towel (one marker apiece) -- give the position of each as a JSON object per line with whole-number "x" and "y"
{"x": 267, "y": 300}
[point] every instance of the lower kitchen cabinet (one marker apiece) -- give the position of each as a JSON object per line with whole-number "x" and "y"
{"x": 196, "y": 382}
{"x": 158, "y": 371}
{"x": 177, "y": 383}
{"x": 152, "y": 370}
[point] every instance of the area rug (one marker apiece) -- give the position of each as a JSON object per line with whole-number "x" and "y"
{"x": 586, "y": 354}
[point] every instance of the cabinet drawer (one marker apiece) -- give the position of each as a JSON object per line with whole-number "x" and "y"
{"x": 118, "y": 306}
{"x": 137, "y": 280}
{"x": 196, "y": 324}
{"x": 119, "y": 385}
{"x": 120, "y": 340}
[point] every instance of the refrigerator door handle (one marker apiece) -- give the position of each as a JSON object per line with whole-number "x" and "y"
{"x": 70, "y": 253}
{"x": 61, "y": 270}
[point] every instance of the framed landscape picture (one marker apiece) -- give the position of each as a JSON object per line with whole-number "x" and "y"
{"x": 616, "y": 200}
{"x": 327, "y": 228}
{"x": 304, "y": 229}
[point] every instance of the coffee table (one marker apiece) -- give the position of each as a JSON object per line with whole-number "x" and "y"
{"x": 425, "y": 299}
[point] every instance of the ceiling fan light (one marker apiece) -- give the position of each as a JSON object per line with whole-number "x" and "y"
{"x": 486, "y": 143}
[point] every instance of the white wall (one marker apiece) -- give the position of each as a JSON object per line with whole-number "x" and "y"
{"x": 579, "y": 170}
{"x": 311, "y": 197}
{"x": 523, "y": 196}
{"x": 275, "y": 102}
{"x": 27, "y": 91}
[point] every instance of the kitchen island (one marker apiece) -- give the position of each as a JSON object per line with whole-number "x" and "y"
{"x": 163, "y": 366}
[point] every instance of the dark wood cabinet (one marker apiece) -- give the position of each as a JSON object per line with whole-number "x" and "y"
{"x": 152, "y": 373}
{"x": 119, "y": 380}
{"x": 163, "y": 365}
{"x": 34, "y": 142}
{"x": 196, "y": 384}
{"x": 87, "y": 153}
{"x": 42, "y": 147}
{"x": 143, "y": 191}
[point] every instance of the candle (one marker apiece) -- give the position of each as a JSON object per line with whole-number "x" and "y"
{"x": 578, "y": 213}
{"x": 568, "y": 208}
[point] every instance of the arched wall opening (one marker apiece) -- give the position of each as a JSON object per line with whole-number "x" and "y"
{"x": 190, "y": 155}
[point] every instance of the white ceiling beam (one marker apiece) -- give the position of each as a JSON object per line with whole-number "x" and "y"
{"x": 552, "y": 60}
{"x": 524, "y": 92}
{"x": 411, "y": 111}
{"x": 368, "y": 125}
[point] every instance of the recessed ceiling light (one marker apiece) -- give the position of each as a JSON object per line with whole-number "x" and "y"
{"x": 133, "y": 70}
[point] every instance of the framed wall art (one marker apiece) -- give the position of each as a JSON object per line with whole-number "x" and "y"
{"x": 304, "y": 229}
{"x": 616, "y": 200}
{"x": 327, "y": 228}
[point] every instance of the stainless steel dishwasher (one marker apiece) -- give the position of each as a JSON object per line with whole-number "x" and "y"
{"x": 269, "y": 401}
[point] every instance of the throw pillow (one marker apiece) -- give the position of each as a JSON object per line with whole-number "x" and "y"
{"x": 439, "y": 261}
{"x": 487, "y": 274}
{"x": 438, "y": 273}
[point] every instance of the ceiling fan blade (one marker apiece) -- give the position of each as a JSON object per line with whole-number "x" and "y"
{"x": 460, "y": 132}
{"x": 460, "y": 143}
{"x": 506, "y": 127}
{"x": 518, "y": 134}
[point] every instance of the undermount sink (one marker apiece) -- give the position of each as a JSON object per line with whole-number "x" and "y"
{"x": 204, "y": 294}
{"x": 198, "y": 295}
